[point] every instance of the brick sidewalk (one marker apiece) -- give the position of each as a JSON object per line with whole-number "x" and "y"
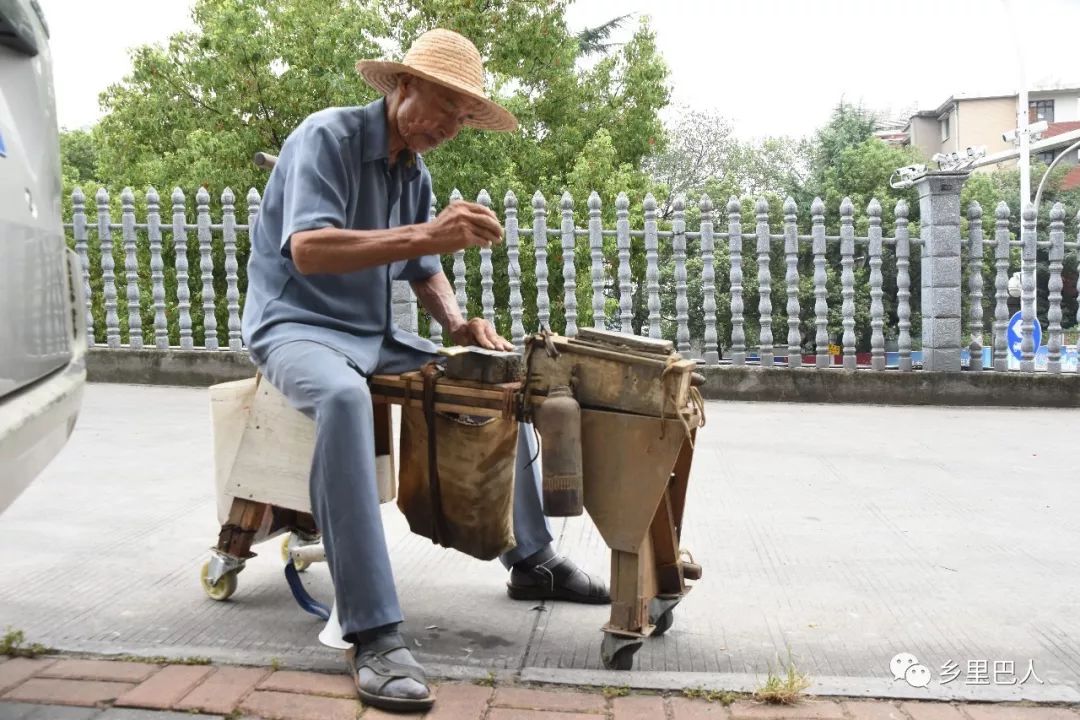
{"x": 34, "y": 689}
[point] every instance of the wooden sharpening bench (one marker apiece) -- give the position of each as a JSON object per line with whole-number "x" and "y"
{"x": 639, "y": 416}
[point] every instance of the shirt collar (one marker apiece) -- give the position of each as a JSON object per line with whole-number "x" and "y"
{"x": 377, "y": 141}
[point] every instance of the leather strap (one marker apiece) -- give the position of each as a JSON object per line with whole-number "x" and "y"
{"x": 439, "y": 535}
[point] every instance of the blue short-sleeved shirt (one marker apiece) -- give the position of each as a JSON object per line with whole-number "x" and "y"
{"x": 334, "y": 170}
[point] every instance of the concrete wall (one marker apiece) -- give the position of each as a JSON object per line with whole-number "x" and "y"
{"x": 891, "y": 388}
{"x": 201, "y": 368}
{"x": 191, "y": 368}
{"x": 981, "y": 122}
{"x": 925, "y": 136}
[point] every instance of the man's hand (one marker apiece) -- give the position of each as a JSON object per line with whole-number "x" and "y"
{"x": 462, "y": 225}
{"x": 479, "y": 331}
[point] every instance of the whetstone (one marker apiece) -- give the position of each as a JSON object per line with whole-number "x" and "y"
{"x": 484, "y": 366}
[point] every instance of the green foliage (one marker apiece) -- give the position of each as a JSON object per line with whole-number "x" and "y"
{"x": 78, "y": 156}
{"x": 13, "y": 644}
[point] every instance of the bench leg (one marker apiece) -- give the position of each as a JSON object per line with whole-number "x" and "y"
{"x": 647, "y": 585}
{"x": 233, "y": 549}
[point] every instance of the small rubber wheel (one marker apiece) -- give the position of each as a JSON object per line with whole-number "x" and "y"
{"x": 301, "y": 565}
{"x": 223, "y": 588}
{"x": 618, "y": 656}
{"x": 663, "y": 623}
{"x": 623, "y": 659}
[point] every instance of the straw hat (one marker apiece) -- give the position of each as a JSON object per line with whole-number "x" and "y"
{"x": 451, "y": 60}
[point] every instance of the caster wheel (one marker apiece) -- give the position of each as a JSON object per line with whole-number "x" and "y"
{"x": 663, "y": 623}
{"x": 619, "y": 654}
{"x": 223, "y": 588}
{"x": 301, "y": 565}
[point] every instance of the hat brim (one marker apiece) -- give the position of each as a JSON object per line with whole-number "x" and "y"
{"x": 489, "y": 115}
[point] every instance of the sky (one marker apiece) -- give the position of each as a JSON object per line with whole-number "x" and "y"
{"x": 773, "y": 67}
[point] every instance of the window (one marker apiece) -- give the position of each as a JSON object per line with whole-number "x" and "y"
{"x": 1046, "y": 157}
{"x": 1041, "y": 110}
{"x": 944, "y": 123}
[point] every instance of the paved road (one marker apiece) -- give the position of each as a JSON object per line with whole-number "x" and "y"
{"x": 838, "y": 535}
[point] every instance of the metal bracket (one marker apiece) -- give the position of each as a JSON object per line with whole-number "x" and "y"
{"x": 221, "y": 564}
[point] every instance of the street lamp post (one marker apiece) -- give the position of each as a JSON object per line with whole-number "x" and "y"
{"x": 1023, "y": 131}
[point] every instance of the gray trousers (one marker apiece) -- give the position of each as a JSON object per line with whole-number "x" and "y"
{"x": 326, "y": 386}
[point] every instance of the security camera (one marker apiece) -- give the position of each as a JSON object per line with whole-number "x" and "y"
{"x": 1036, "y": 128}
{"x": 905, "y": 177}
{"x": 940, "y": 158}
{"x": 1009, "y": 135}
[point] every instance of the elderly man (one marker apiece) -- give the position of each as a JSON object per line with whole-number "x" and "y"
{"x": 344, "y": 214}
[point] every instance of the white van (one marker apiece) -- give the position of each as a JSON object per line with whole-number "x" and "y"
{"x": 42, "y": 304}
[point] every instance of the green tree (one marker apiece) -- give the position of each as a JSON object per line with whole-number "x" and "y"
{"x": 597, "y": 39}
{"x": 78, "y": 156}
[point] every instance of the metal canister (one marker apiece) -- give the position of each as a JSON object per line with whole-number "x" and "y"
{"x": 558, "y": 419}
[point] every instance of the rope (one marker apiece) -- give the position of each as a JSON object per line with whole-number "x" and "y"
{"x": 669, "y": 396}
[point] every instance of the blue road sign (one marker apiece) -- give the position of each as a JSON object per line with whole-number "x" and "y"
{"x": 1015, "y": 338}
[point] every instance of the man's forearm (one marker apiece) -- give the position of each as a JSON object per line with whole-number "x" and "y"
{"x": 436, "y": 294}
{"x": 334, "y": 250}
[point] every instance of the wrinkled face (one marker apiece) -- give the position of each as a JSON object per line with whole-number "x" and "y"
{"x": 429, "y": 114}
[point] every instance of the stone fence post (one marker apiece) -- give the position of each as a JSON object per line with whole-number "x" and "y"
{"x": 403, "y": 306}
{"x": 939, "y": 211}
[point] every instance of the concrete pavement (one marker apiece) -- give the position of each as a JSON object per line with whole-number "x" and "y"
{"x": 835, "y": 535}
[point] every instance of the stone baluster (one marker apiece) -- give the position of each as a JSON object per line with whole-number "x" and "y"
{"x": 569, "y": 270}
{"x": 1078, "y": 292}
{"x": 903, "y": 285}
{"x": 157, "y": 269}
{"x": 183, "y": 293}
{"x": 434, "y": 328}
{"x": 791, "y": 279}
{"x": 460, "y": 284}
{"x": 822, "y": 358}
{"x": 543, "y": 303}
{"x": 877, "y": 309}
{"x": 1054, "y": 285}
{"x": 513, "y": 271}
{"x": 596, "y": 248}
{"x": 206, "y": 266}
{"x": 765, "y": 344}
{"x": 738, "y": 333}
{"x": 78, "y": 220}
{"x": 1027, "y": 290}
{"x": 626, "y": 288}
{"x": 975, "y": 285}
{"x": 487, "y": 281}
{"x": 131, "y": 268}
{"x": 708, "y": 280}
{"x": 652, "y": 266}
{"x": 108, "y": 265}
{"x": 253, "y": 201}
{"x": 682, "y": 306}
{"x": 1001, "y": 287}
{"x": 847, "y": 279}
{"x": 232, "y": 291}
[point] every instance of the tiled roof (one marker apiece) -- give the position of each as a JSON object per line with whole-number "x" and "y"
{"x": 1057, "y": 128}
{"x": 1071, "y": 179}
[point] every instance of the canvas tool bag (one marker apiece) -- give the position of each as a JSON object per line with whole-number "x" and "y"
{"x": 456, "y": 483}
